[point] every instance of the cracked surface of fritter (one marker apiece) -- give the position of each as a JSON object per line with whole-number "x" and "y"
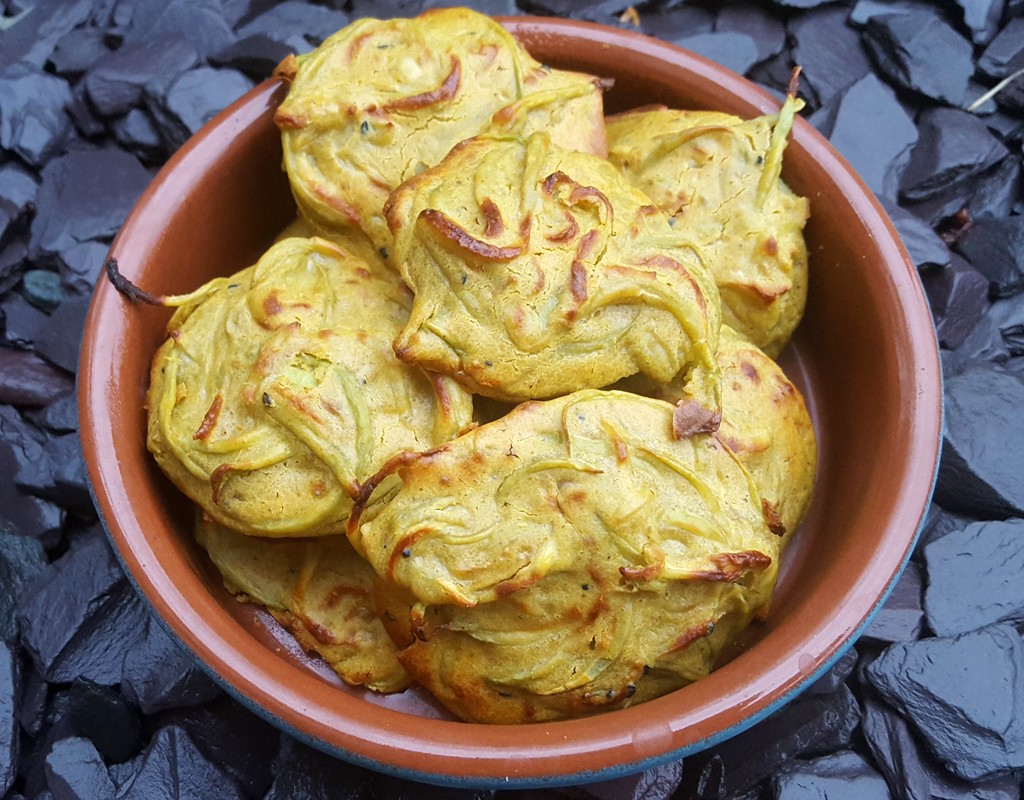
{"x": 570, "y": 557}
{"x": 765, "y": 422}
{"x": 538, "y": 271}
{"x": 379, "y": 101}
{"x": 277, "y": 391}
{"x": 320, "y": 590}
{"x": 718, "y": 176}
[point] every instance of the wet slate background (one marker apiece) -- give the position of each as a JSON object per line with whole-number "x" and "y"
{"x": 926, "y": 99}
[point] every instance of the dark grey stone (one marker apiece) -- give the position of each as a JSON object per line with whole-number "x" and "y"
{"x": 925, "y": 247}
{"x": 33, "y": 38}
{"x": 75, "y": 771}
{"x": 300, "y": 771}
{"x": 60, "y": 342}
{"x": 84, "y": 195}
{"x": 863, "y": 10}
{"x": 255, "y": 55}
{"x": 82, "y": 617}
{"x": 119, "y": 81}
{"x": 914, "y": 775}
{"x": 194, "y": 99}
{"x": 78, "y": 50}
{"x": 958, "y": 295}
{"x": 920, "y": 52}
{"x": 843, "y": 775}
{"x": 32, "y": 119}
{"x": 901, "y": 618}
{"x": 983, "y": 444}
{"x": 200, "y": 22}
{"x": 158, "y": 673}
{"x": 1005, "y": 54}
{"x": 962, "y": 695}
{"x": 27, "y": 380}
{"x": 21, "y": 559}
{"x": 830, "y": 682}
{"x": 878, "y": 152}
{"x": 995, "y": 247}
{"x": 106, "y": 718}
{"x": 734, "y": 50}
{"x": 174, "y": 769}
{"x": 677, "y": 23}
{"x": 829, "y": 52}
{"x": 82, "y": 264}
{"x": 10, "y": 696}
{"x": 982, "y": 18}
{"x": 299, "y": 25}
{"x": 22, "y": 322}
{"x": 953, "y": 149}
{"x": 974, "y": 577}
{"x": 756, "y": 21}
{"x": 812, "y": 725}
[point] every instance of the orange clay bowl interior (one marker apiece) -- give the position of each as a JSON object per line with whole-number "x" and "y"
{"x": 865, "y": 356}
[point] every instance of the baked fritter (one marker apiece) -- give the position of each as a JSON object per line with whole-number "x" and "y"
{"x": 318, "y": 589}
{"x": 277, "y": 391}
{"x": 538, "y": 271}
{"x": 764, "y": 422}
{"x": 718, "y": 176}
{"x": 570, "y": 557}
{"x": 380, "y": 101}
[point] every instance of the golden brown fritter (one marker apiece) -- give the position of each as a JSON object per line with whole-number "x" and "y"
{"x": 379, "y": 101}
{"x": 538, "y": 271}
{"x": 320, "y": 590}
{"x": 277, "y": 391}
{"x": 718, "y": 176}
{"x": 570, "y": 557}
{"x": 764, "y": 422}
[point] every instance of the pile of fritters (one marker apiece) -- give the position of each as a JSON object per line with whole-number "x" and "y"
{"x": 611, "y": 514}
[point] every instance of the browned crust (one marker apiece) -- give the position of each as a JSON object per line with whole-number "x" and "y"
{"x": 210, "y": 420}
{"x": 462, "y": 238}
{"x": 445, "y": 92}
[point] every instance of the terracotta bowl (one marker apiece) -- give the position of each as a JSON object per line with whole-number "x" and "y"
{"x": 865, "y": 355}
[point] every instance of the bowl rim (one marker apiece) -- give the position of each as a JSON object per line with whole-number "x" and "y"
{"x": 458, "y": 758}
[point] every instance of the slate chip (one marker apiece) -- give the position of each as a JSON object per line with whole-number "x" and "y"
{"x": 60, "y": 342}
{"x": 200, "y": 22}
{"x": 831, "y": 681}
{"x": 34, "y": 37}
{"x": 911, "y": 772}
{"x": 84, "y": 195}
{"x": 974, "y": 577}
{"x": 983, "y": 443}
{"x": 27, "y": 380}
{"x": 958, "y": 296}
{"x": 10, "y": 739}
{"x": 757, "y": 22}
{"x": 233, "y": 738}
{"x": 812, "y": 725}
{"x": 962, "y": 695}
{"x": 255, "y": 55}
{"x": 75, "y": 771}
{"x": 42, "y": 289}
{"x": 879, "y": 152}
{"x": 1005, "y": 53}
{"x": 81, "y": 265}
{"x": 863, "y": 10}
{"x": 23, "y": 322}
{"x": 995, "y": 247}
{"x": 32, "y": 119}
{"x": 137, "y": 132}
{"x": 173, "y": 768}
{"x": 300, "y": 771}
{"x": 78, "y": 50}
{"x": 829, "y": 52}
{"x": 657, "y": 783}
{"x": 194, "y": 99}
{"x": 982, "y": 17}
{"x": 733, "y": 50}
{"x": 925, "y": 247}
{"x": 843, "y": 775}
{"x": 920, "y": 52}
{"x": 677, "y": 23}
{"x": 301, "y": 26}
{"x": 901, "y": 618}
{"x": 954, "y": 147}
{"x": 158, "y": 673}
{"x": 21, "y": 559}
{"x": 106, "y": 718}
{"x": 119, "y": 81}
{"x": 82, "y": 617}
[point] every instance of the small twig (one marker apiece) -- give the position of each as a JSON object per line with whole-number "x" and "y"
{"x": 129, "y": 289}
{"x": 995, "y": 90}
